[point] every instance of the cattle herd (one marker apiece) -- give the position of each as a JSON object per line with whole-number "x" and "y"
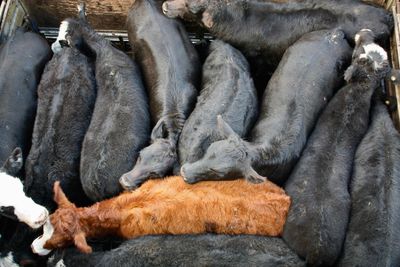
{"x": 290, "y": 94}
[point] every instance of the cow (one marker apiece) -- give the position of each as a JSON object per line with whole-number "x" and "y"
{"x": 171, "y": 72}
{"x": 263, "y": 30}
{"x": 186, "y": 250}
{"x": 66, "y": 97}
{"x": 22, "y": 59}
{"x": 227, "y": 90}
{"x": 372, "y": 233}
{"x": 15, "y": 205}
{"x": 309, "y": 73}
{"x": 120, "y": 124}
{"x": 319, "y": 182}
{"x": 12, "y": 195}
{"x": 168, "y": 206}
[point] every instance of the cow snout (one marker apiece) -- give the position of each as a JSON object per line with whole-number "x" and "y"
{"x": 126, "y": 182}
{"x": 185, "y": 178}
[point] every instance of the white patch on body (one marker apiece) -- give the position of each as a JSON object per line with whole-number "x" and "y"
{"x": 62, "y": 33}
{"x": 8, "y": 261}
{"x": 38, "y": 244}
{"x": 12, "y": 195}
{"x": 60, "y": 263}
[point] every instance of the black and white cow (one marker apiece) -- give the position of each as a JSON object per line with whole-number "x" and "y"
{"x": 318, "y": 217}
{"x": 15, "y": 205}
{"x": 309, "y": 73}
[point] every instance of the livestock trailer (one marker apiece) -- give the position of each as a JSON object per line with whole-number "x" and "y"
{"x": 108, "y": 18}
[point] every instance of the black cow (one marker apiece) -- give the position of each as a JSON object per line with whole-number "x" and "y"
{"x": 120, "y": 125}
{"x": 186, "y": 250}
{"x": 318, "y": 217}
{"x": 171, "y": 68}
{"x": 66, "y": 96}
{"x": 263, "y": 30}
{"x": 300, "y": 88}
{"x": 227, "y": 90}
{"x": 373, "y": 231}
{"x": 22, "y": 60}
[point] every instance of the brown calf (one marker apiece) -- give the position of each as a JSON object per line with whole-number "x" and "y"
{"x": 169, "y": 206}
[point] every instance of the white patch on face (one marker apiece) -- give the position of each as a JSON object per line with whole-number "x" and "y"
{"x": 12, "y": 195}
{"x": 38, "y": 244}
{"x": 60, "y": 263}
{"x": 374, "y": 48}
{"x": 62, "y": 33}
{"x": 8, "y": 261}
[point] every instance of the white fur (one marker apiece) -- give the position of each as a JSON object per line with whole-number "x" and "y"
{"x": 60, "y": 263}
{"x": 8, "y": 261}
{"x": 62, "y": 33}
{"x": 374, "y": 48}
{"x": 12, "y": 195}
{"x": 357, "y": 36}
{"x": 38, "y": 244}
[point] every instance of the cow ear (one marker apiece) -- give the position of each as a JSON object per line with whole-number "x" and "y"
{"x": 207, "y": 20}
{"x": 253, "y": 177}
{"x": 14, "y": 162}
{"x": 224, "y": 128}
{"x": 348, "y": 74}
{"x": 81, "y": 244}
{"x": 60, "y": 198}
{"x": 159, "y": 131}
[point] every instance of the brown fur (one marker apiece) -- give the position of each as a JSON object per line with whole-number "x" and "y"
{"x": 171, "y": 206}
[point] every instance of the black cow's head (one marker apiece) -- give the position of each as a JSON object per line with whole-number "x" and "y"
{"x": 189, "y": 10}
{"x": 226, "y": 159}
{"x": 154, "y": 161}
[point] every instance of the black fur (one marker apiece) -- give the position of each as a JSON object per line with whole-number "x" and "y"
{"x": 171, "y": 71}
{"x": 120, "y": 124}
{"x": 300, "y": 88}
{"x": 318, "y": 216}
{"x": 66, "y": 96}
{"x": 187, "y": 250}
{"x": 373, "y": 232}
{"x": 263, "y": 30}
{"x": 22, "y": 60}
{"x": 227, "y": 90}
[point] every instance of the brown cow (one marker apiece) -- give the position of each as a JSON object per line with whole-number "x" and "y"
{"x": 168, "y": 206}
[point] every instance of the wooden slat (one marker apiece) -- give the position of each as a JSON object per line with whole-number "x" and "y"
{"x": 394, "y": 90}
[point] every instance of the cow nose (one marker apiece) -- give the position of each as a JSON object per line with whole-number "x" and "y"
{"x": 165, "y": 8}
{"x": 42, "y": 218}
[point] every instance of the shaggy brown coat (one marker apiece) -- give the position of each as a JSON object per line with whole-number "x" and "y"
{"x": 170, "y": 206}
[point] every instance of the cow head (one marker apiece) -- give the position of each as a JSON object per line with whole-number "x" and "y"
{"x": 189, "y": 10}
{"x": 12, "y": 195}
{"x": 226, "y": 159}
{"x": 370, "y": 61}
{"x": 154, "y": 161}
{"x": 14, "y": 162}
{"x": 63, "y": 227}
